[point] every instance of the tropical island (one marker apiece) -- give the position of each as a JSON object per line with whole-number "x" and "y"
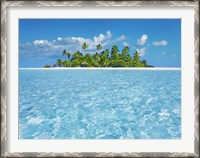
{"x": 102, "y": 58}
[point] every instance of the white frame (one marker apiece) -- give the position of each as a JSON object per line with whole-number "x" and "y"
{"x": 88, "y": 4}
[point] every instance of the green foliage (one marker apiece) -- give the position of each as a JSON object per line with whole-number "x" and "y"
{"x": 119, "y": 63}
{"x": 47, "y": 66}
{"x": 96, "y": 57}
{"x": 114, "y": 52}
{"x": 84, "y": 46}
{"x": 136, "y": 58}
{"x": 68, "y": 55}
{"x": 125, "y": 52}
{"x": 76, "y": 55}
{"x": 95, "y": 64}
{"x": 76, "y": 63}
{"x": 59, "y": 62}
{"x": 64, "y": 53}
{"x": 99, "y": 47}
{"x": 105, "y": 58}
{"x": 66, "y": 63}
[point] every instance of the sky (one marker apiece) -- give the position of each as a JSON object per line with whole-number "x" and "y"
{"x": 41, "y": 41}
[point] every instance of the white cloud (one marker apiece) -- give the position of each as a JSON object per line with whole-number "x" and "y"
{"x": 125, "y": 44}
{"x": 99, "y": 38}
{"x": 141, "y": 51}
{"x": 59, "y": 39}
{"x": 142, "y": 40}
{"x": 121, "y": 38}
{"x": 40, "y": 42}
{"x": 76, "y": 40}
{"x": 160, "y": 43}
{"x": 45, "y": 48}
{"x": 109, "y": 35}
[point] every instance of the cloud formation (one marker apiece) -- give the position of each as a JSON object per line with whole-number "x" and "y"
{"x": 40, "y": 42}
{"x": 141, "y": 51}
{"x": 121, "y": 38}
{"x": 44, "y": 48}
{"x": 160, "y": 43}
{"x": 125, "y": 44}
{"x": 142, "y": 40}
{"x": 59, "y": 39}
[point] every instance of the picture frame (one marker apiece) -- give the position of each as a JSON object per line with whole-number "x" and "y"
{"x": 5, "y": 5}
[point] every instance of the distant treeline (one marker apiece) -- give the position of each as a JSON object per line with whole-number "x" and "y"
{"x": 102, "y": 58}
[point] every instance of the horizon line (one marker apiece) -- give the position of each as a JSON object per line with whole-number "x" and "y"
{"x": 104, "y": 68}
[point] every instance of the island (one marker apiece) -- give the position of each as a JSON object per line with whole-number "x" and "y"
{"x": 102, "y": 58}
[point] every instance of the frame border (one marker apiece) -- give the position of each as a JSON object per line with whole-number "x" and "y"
{"x": 5, "y": 4}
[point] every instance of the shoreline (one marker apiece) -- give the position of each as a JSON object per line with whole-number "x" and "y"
{"x": 100, "y": 68}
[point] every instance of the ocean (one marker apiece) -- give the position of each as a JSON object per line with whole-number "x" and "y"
{"x": 99, "y": 104}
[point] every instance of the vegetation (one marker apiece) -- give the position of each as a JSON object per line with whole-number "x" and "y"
{"x": 47, "y": 66}
{"x": 102, "y": 58}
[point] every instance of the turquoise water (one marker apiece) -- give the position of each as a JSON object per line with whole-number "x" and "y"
{"x": 99, "y": 104}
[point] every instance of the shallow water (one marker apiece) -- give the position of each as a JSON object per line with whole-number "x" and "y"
{"x": 99, "y": 104}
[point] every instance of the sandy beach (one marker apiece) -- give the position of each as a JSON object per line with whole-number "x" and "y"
{"x": 100, "y": 68}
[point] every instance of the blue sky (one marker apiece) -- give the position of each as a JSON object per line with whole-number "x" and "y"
{"x": 41, "y": 41}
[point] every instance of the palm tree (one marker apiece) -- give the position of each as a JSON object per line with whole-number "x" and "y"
{"x": 66, "y": 63}
{"x": 128, "y": 59}
{"x": 96, "y": 57}
{"x": 84, "y": 46}
{"x": 114, "y": 52}
{"x": 59, "y": 62}
{"x": 125, "y": 52}
{"x": 136, "y": 59}
{"x": 68, "y": 55}
{"x": 76, "y": 55}
{"x": 104, "y": 58}
{"x": 99, "y": 47}
{"x": 64, "y": 53}
{"x": 88, "y": 57}
{"x": 107, "y": 52}
{"x": 80, "y": 54}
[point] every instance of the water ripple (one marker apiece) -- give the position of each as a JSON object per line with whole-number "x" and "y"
{"x": 99, "y": 104}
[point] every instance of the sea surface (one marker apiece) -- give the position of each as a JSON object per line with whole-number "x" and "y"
{"x": 99, "y": 104}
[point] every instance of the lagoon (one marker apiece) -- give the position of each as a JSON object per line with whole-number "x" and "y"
{"x": 99, "y": 104}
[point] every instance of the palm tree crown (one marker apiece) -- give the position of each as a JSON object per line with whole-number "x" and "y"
{"x": 106, "y": 58}
{"x": 84, "y": 46}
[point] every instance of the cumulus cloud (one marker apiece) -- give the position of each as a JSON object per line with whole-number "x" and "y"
{"x": 59, "y": 39}
{"x": 125, "y": 44}
{"x": 109, "y": 35}
{"x": 142, "y": 40}
{"x": 160, "y": 43}
{"x": 121, "y": 38}
{"x": 141, "y": 51}
{"x": 40, "y": 42}
{"x": 99, "y": 38}
{"x": 45, "y": 48}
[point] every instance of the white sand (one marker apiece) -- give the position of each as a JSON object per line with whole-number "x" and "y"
{"x": 102, "y": 68}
